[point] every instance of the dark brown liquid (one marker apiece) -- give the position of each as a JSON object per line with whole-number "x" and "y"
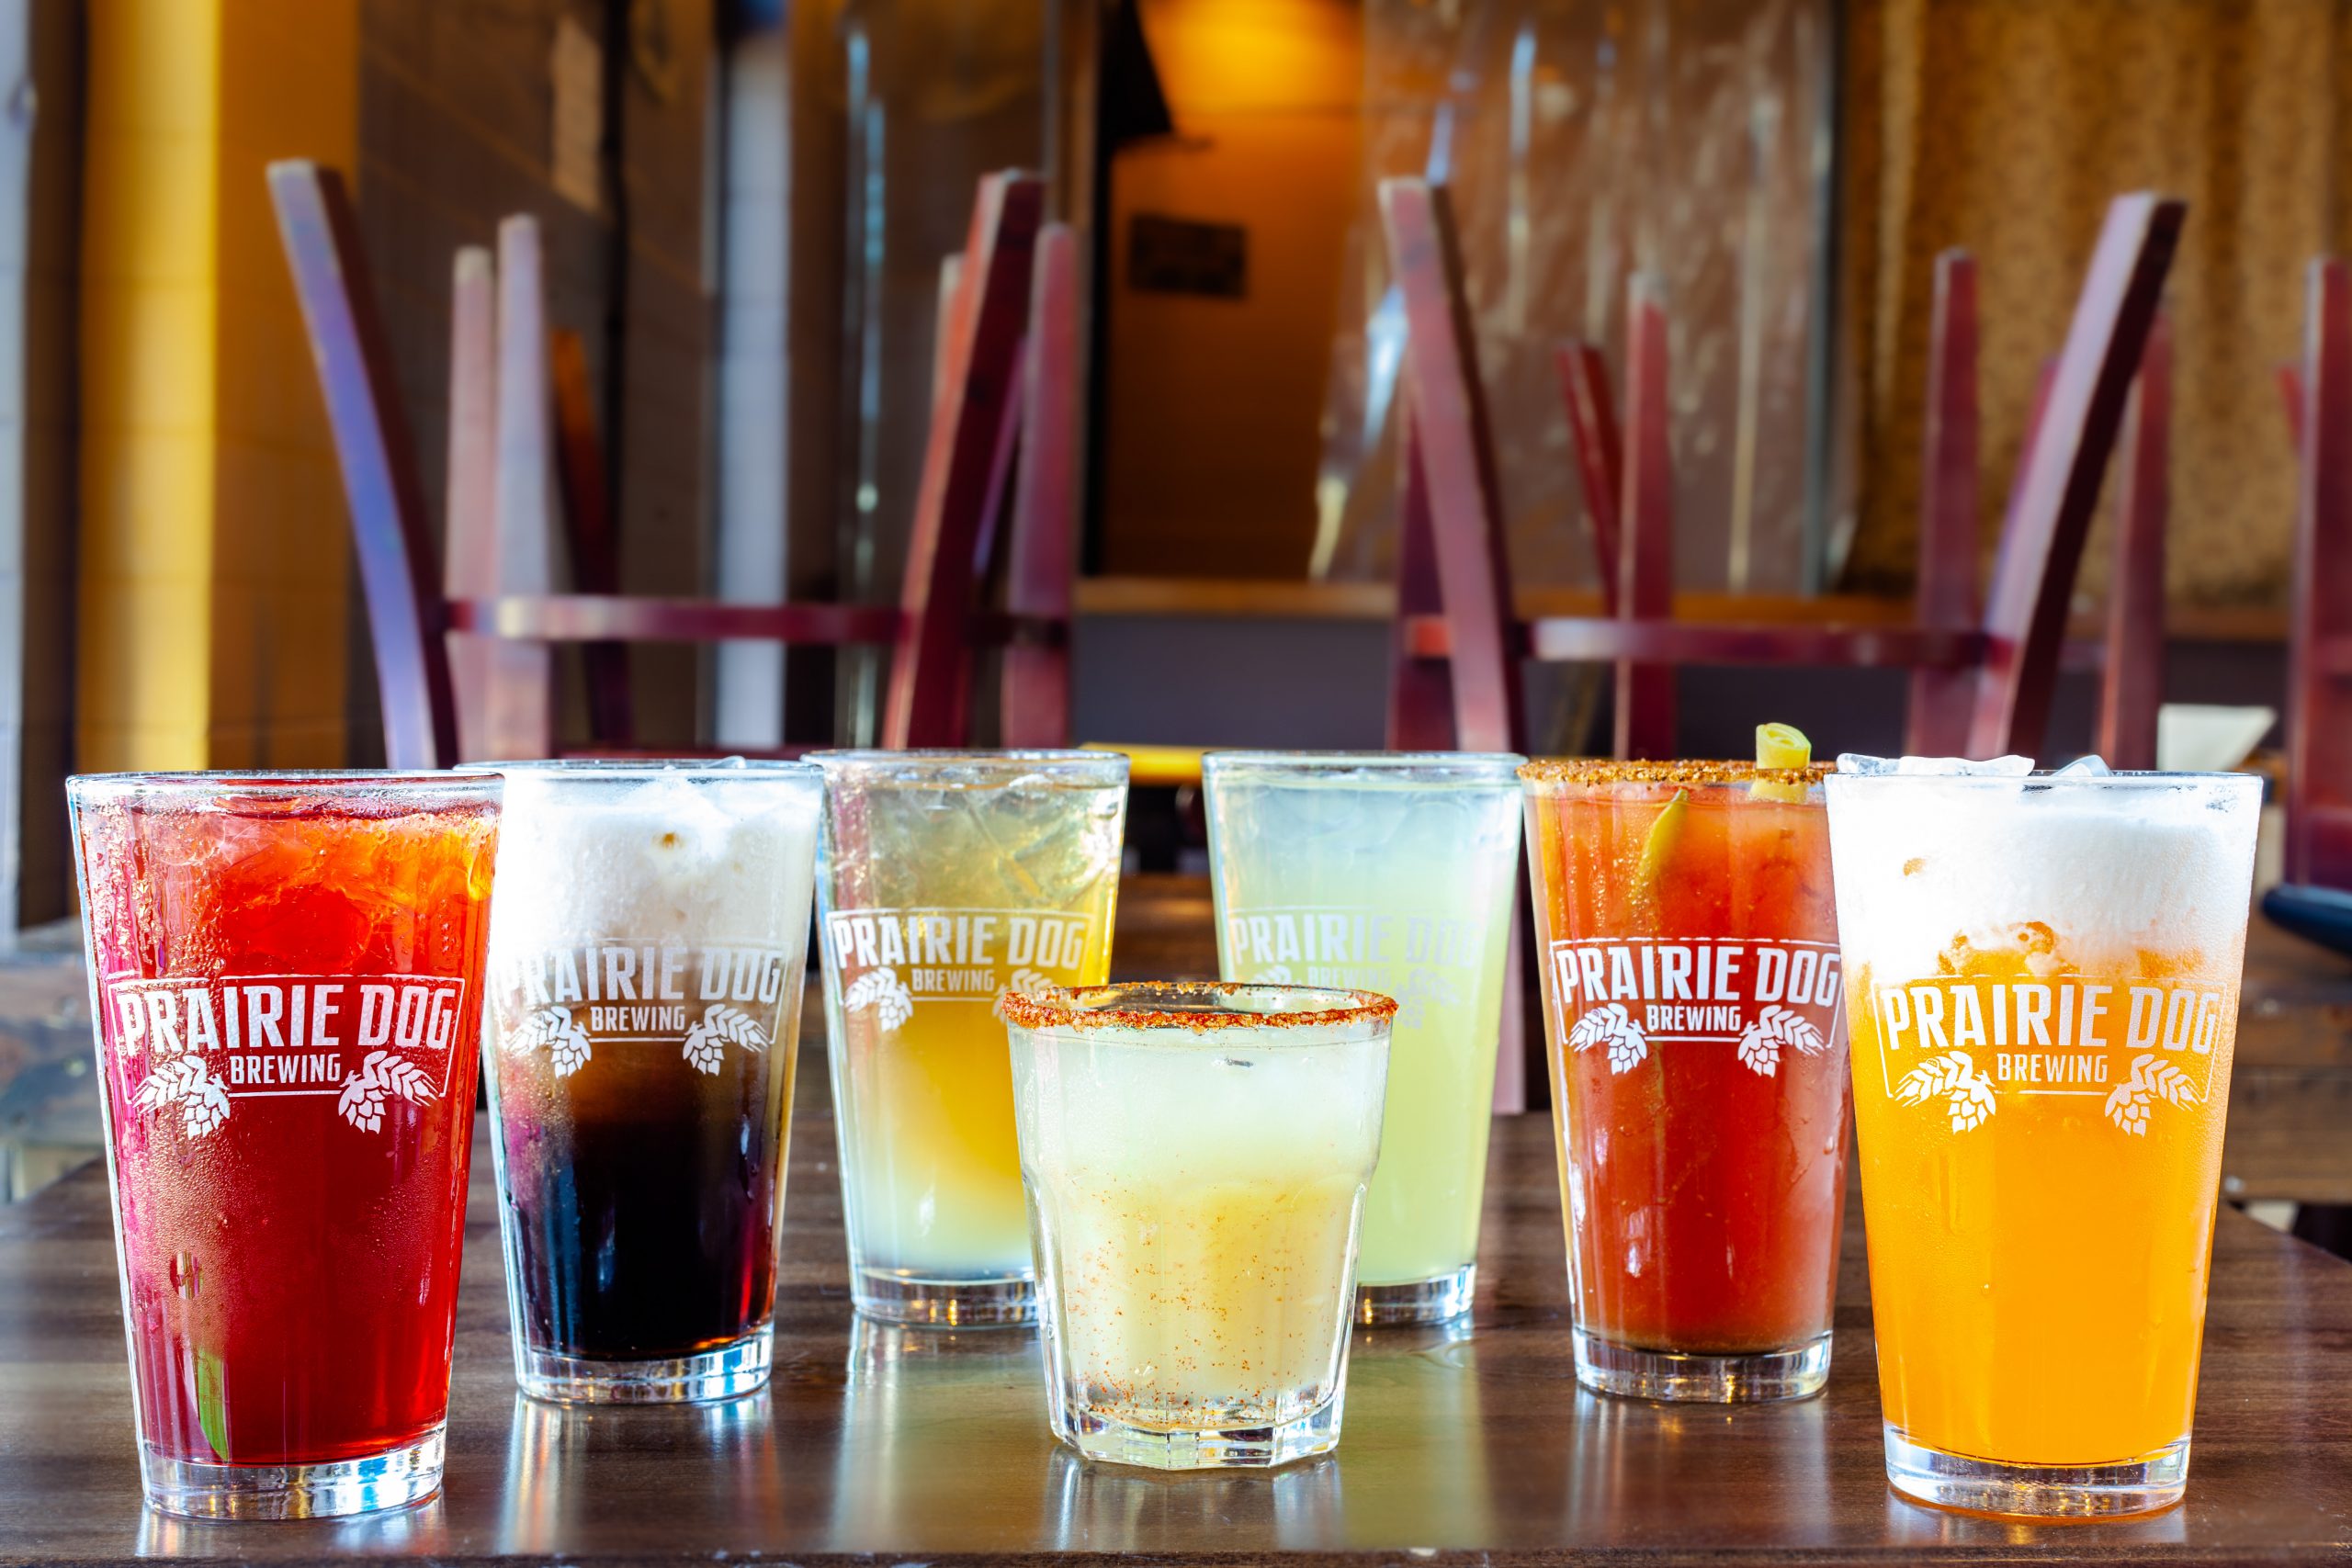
{"x": 644, "y": 1198}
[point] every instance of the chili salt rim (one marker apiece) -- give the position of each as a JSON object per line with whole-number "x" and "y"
{"x": 1057, "y": 1007}
{"x": 1592, "y": 771}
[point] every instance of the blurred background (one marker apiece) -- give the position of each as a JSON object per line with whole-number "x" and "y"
{"x": 745, "y": 207}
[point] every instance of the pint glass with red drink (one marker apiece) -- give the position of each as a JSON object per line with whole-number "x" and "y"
{"x": 287, "y": 974}
{"x": 1698, "y": 1088}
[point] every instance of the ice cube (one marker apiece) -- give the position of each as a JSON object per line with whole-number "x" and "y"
{"x": 2090, "y": 767}
{"x": 1935, "y": 767}
{"x": 1855, "y": 762}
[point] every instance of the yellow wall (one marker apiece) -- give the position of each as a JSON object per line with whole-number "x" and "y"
{"x": 213, "y": 576}
{"x": 1213, "y": 425}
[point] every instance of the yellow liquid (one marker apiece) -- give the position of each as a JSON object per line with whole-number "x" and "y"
{"x": 1183, "y": 1302}
{"x": 1196, "y": 1204}
{"x": 2038, "y": 1278}
{"x": 936, "y": 901}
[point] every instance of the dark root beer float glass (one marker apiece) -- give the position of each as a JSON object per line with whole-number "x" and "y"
{"x": 286, "y": 977}
{"x": 644, "y": 977}
{"x": 1698, "y": 1052}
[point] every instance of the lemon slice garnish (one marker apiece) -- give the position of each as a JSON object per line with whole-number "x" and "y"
{"x": 1779, "y": 746}
{"x": 1666, "y": 831}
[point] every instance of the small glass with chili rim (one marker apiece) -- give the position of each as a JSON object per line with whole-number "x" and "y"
{"x": 1194, "y": 1158}
{"x": 1697, "y": 1039}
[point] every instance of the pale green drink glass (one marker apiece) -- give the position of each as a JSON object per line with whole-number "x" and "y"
{"x": 1394, "y": 873}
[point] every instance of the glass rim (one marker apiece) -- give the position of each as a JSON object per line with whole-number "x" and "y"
{"x": 1063, "y": 1006}
{"x": 1471, "y": 767}
{"x": 1602, "y": 772}
{"x": 925, "y": 758}
{"x": 646, "y": 767}
{"x": 285, "y": 781}
{"x": 2053, "y": 778}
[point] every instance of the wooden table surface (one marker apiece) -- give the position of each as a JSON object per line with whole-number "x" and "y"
{"x": 1473, "y": 1447}
{"x": 917, "y": 1446}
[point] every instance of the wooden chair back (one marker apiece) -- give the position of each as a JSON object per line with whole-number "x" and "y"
{"x": 504, "y": 456}
{"x": 1989, "y": 672}
{"x": 391, "y": 535}
{"x": 2319, "y": 660}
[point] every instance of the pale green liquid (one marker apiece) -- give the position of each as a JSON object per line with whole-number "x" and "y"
{"x": 1403, "y": 888}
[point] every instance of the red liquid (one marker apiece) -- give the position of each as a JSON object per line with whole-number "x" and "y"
{"x": 1705, "y": 1196}
{"x": 290, "y": 1236}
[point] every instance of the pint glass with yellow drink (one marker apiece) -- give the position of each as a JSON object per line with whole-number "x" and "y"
{"x": 946, "y": 879}
{"x": 2044, "y": 978}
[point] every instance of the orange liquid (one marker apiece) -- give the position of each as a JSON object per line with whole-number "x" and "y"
{"x": 1703, "y": 1196}
{"x": 2037, "y": 1279}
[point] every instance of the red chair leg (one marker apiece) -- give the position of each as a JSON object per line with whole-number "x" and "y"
{"x": 2026, "y": 616}
{"x": 2319, "y": 673}
{"x": 1457, "y": 462}
{"x": 1937, "y": 722}
{"x": 926, "y": 701}
{"x": 520, "y": 703}
{"x": 1601, "y": 459}
{"x": 2132, "y": 685}
{"x": 1036, "y": 682}
{"x": 471, "y": 570}
{"x": 1420, "y": 691}
{"x": 1646, "y": 692}
{"x": 588, "y": 528}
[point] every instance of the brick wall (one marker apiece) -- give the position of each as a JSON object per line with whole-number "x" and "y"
{"x": 457, "y": 106}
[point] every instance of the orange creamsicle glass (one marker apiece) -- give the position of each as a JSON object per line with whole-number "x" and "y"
{"x": 2044, "y": 987}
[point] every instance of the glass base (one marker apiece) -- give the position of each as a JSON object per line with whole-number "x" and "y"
{"x": 1608, "y": 1367}
{"x": 1422, "y": 1301}
{"x": 198, "y": 1490}
{"x": 2037, "y": 1491}
{"x": 1102, "y": 1437}
{"x": 944, "y": 1304}
{"x": 724, "y": 1373}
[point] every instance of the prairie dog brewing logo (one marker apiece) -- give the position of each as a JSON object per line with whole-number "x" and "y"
{"x": 2132, "y": 1046}
{"x": 1423, "y": 961}
{"x": 199, "y": 1046}
{"x": 887, "y": 960}
{"x": 568, "y": 1000}
{"x": 1763, "y": 998}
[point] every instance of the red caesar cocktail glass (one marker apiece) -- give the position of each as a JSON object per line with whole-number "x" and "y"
{"x": 1699, "y": 1085}
{"x": 287, "y": 971}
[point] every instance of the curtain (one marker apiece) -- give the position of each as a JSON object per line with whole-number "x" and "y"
{"x": 2004, "y": 126}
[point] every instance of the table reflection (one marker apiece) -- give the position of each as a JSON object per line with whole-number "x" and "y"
{"x": 420, "y": 1530}
{"x": 1632, "y": 1462}
{"x": 1414, "y": 1456}
{"x": 1109, "y": 1508}
{"x": 1917, "y": 1525}
{"x": 943, "y": 1443}
{"x": 577, "y": 1474}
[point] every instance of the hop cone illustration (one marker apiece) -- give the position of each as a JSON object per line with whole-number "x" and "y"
{"x": 1968, "y": 1093}
{"x": 722, "y": 1026}
{"x": 559, "y": 1034}
{"x": 185, "y": 1082}
{"x": 2152, "y": 1079}
{"x": 1611, "y": 1026}
{"x": 1776, "y": 1028}
{"x": 882, "y": 990}
{"x": 381, "y": 1074}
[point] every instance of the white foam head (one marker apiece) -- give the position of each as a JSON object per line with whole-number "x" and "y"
{"x": 2115, "y": 865}
{"x": 645, "y": 855}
